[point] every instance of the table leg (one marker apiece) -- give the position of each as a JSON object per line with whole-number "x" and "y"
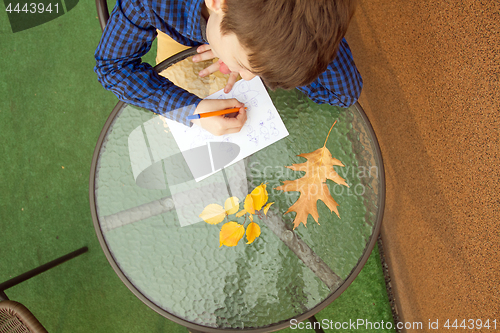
{"x": 316, "y": 325}
{"x": 137, "y": 214}
{"x": 302, "y": 251}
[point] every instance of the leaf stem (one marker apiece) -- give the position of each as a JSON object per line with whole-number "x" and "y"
{"x": 329, "y": 133}
{"x": 321, "y": 159}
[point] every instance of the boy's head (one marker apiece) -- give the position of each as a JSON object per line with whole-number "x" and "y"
{"x": 288, "y": 43}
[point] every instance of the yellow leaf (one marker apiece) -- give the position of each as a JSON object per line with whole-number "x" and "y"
{"x": 259, "y": 196}
{"x": 231, "y": 233}
{"x": 253, "y": 231}
{"x": 241, "y": 213}
{"x": 266, "y": 208}
{"x": 213, "y": 214}
{"x": 250, "y": 216}
{"x": 232, "y": 205}
{"x": 248, "y": 205}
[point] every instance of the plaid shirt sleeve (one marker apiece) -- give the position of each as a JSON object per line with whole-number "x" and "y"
{"x": 340, "y": 84}
{"x": 127, "y": 37}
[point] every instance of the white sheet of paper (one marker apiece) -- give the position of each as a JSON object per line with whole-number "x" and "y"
{"x": 263, "y": 127}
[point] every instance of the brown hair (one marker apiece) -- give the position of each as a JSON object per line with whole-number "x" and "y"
{"x": 289, "y": 42}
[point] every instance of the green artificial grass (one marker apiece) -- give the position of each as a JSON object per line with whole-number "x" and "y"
{"x": 52, "y": 110}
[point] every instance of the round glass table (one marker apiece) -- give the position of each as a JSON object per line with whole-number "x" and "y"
{"x": 140, "y": 189}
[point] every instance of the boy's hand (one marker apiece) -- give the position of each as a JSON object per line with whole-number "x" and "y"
{"x": 220, "y": 125}
{"x": 206, "y": 53}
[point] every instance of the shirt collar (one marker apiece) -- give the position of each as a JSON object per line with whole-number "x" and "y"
{"x": 203, "y": 25}
{"x": 197, "y": 25}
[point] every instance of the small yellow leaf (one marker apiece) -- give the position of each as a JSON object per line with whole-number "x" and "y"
{"x": 241, "y": 213}
{"x": 259, "y": 196}
{"x": 266, "y": 208}
{"x": 253, "y": 231}
{"x": 213, "y": 214}
{"x": 231, "y": 233}
{"x": 248, "y": 205}
{"x": 250, "y": 216}
{"x": 232, "y": 205}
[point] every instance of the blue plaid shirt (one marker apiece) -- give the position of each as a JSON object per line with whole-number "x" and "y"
{"x": 129, "y": 35}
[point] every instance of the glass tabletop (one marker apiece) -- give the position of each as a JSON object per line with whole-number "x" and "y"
{"x": 146, "y": 207}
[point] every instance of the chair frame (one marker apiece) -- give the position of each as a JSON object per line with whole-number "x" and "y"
{"x": 19, "y": 310}
{"x": 34, "y": 272}
{"x": 23, "y": 315}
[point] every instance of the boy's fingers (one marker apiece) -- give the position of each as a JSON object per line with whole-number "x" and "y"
{"x": 242, "y": 115}
{"x": 234, "y": 103}
{"x": 236, "y": 123}
{"x": 231, "y": 81}
{"x": 203, "y": 48}
{"x": 233, "y": 130}
{"x": 209, "y": 70}
{"x": 234, "y": 127}
{"x": 241, "y": 118}
{"x": 224, "y": 125}
{"x": 203, "y": 56}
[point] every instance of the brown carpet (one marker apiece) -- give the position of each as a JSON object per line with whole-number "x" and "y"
{"x": 431, "y": 90}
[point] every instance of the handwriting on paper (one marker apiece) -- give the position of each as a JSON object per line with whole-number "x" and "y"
{"x": 263, "y": 127}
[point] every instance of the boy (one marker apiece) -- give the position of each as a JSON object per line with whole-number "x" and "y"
{"x": 288, "y": 43}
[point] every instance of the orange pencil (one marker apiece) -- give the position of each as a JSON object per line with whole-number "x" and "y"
{"x": 213, "y": 113}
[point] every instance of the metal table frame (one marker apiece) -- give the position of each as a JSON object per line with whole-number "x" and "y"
{"x": 103, "y": 15}
{"x": 194, "y": 327}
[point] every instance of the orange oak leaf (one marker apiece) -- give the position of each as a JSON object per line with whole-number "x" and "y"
{"x": 312, "y": 186}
